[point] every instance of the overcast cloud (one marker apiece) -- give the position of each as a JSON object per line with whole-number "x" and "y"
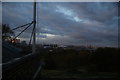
{"x": 73, "y": 23}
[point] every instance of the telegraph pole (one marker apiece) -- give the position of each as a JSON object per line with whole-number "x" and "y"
{"x": 34, "y": 25}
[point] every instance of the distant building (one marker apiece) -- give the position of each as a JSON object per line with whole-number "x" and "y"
{"x": 13, "y": 40}
{"x": 62, "y": 46}
{"x": 50, "y": 46}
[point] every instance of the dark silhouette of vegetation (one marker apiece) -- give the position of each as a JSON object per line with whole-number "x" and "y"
{"x": 6, "y": 32}
{"x": 106, "y": 59}
{"x": 102, "y": 60}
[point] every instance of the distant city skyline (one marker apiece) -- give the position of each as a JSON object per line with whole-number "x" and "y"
{"x": 68, "y": 23}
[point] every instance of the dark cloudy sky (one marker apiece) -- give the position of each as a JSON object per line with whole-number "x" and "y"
{"x": 73, "y": 23}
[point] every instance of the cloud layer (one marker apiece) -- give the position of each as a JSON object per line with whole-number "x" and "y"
{"x": 73, "y": 23}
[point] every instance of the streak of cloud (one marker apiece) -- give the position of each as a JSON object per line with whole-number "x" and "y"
{"x": 73, "y": 23}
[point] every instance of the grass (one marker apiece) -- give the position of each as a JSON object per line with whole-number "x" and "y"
{"x": 66, "y": 74}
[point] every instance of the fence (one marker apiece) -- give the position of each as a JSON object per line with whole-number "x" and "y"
{"x": 24, "y": 68}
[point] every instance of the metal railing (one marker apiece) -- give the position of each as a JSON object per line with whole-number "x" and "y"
{"x": 25, "y": 68}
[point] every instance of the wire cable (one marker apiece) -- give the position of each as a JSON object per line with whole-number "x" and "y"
{"x": 31, "y": 36}
{"x": 23, "y": 30}
{"x": 21, "y": 26}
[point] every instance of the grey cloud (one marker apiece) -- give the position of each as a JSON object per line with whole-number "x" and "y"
{"x": 98, "y": 25}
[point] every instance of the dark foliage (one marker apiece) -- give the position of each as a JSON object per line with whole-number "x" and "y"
{"x": 6, "y": 31}
{"x": 106, "y": 59}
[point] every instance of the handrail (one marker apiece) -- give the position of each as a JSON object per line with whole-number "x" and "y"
{"x": 24, "y": 68}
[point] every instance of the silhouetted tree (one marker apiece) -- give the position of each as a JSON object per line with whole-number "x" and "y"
{"x": 6, "y": 32}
